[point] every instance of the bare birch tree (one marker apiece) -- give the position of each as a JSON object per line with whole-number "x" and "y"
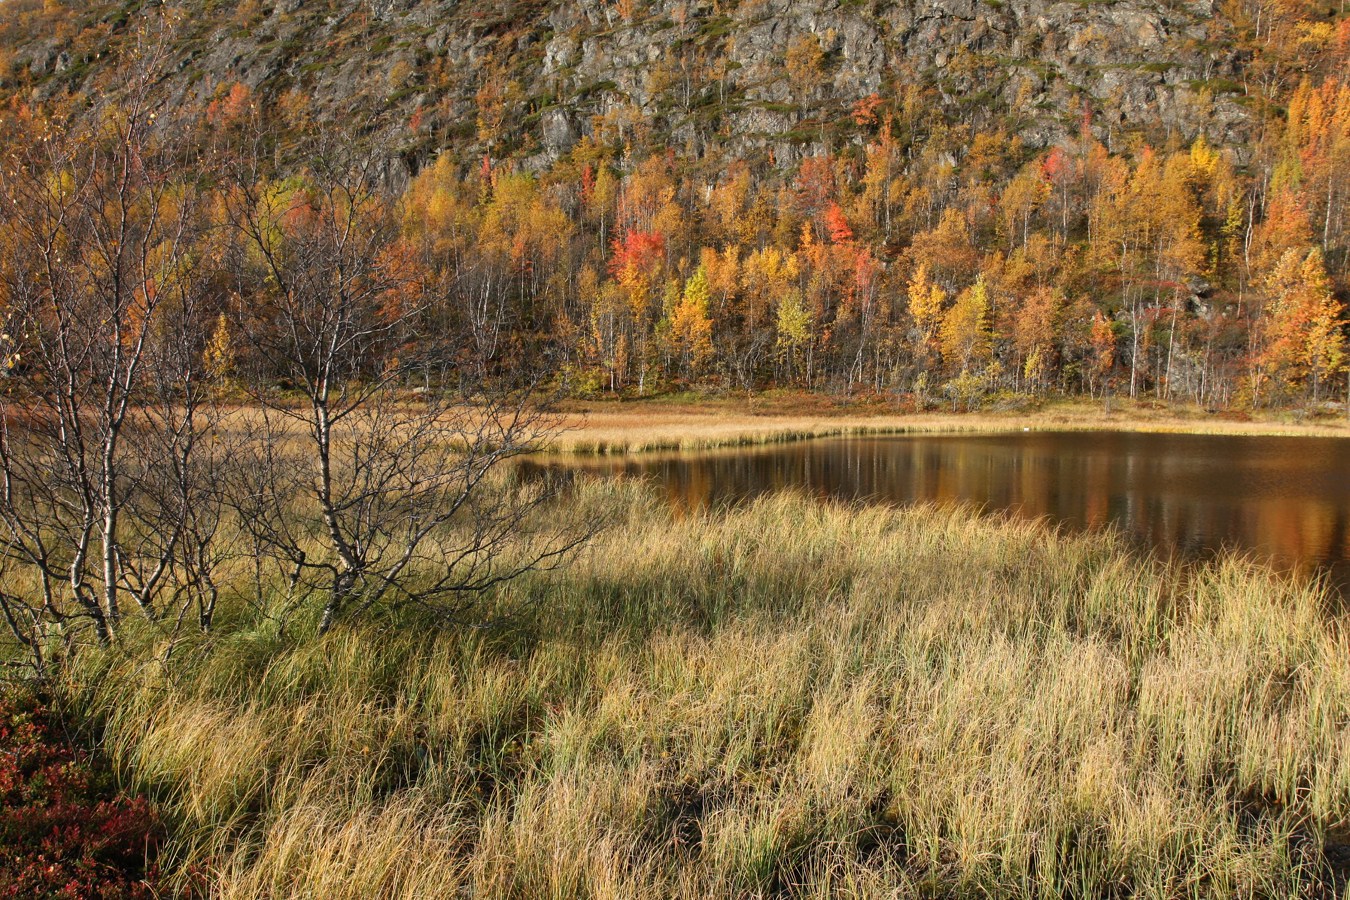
{"x": 375, "y": 471}
{"x": 101, "y": 413}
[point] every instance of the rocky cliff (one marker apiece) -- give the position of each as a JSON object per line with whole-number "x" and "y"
{"x": 777, "y": 78}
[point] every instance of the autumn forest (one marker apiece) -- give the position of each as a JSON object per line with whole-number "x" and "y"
{"x": 674, "y": 448}
{"x": 909, "y": 251}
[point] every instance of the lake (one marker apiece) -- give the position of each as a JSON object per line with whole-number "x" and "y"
{"x": 1285, "y": 500}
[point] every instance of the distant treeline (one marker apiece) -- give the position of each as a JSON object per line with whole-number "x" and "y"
{"x": 926, "y": 259}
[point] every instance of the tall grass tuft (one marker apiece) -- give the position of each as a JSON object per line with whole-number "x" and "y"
{"x": 789, "y": 698}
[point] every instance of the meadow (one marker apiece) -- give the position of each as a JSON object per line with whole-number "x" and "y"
{"x": 700, "y": 423}
{"x": 788, "y": 698}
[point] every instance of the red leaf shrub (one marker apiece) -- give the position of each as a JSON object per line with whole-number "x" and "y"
{"x": 65, "y": 832}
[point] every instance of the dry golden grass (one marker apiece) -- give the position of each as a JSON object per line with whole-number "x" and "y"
{"x": 632, "y": 427}
{"x": 788, "y": 699}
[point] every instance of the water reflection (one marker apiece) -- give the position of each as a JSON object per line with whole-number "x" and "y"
{"x": 1284, "y": 499}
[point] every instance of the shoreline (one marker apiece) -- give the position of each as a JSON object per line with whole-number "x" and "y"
{"x": 608, "y": 428}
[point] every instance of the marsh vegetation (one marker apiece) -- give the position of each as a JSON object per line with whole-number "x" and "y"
{"x": 261, "y": 545}
{"x": 788, "y": 698}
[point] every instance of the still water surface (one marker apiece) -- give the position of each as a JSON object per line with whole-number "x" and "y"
{"x": 1285, "y": 500}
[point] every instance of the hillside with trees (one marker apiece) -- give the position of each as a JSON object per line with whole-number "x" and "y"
{"x": 937, "y": 202}
{"x": 301, "y": 591}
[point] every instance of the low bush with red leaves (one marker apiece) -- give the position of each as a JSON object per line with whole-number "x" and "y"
{"x": 65, "y": 831}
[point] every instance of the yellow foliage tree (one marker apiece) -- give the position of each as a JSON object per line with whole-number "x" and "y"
{"x": 966, "y": 340}
{"x": 690, "y": 325}
{"x": 926, "y": 302}
{"x": 1304, "y": 341}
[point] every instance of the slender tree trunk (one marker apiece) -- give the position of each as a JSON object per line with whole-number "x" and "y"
{"x": 109, "y": 525}
{"x": 341, "y": 592}
{"x": 1171, "y": 343}
{"x": 1134, "y": 346}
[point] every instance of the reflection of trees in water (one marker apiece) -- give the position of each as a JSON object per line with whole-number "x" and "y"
{"x": 1282, "y": 498}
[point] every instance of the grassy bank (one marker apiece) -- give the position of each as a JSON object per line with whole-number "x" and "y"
{"x": 640, "y": 426}
{"x": 788, "y": 699}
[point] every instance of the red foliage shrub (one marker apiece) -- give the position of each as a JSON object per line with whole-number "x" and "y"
{"x": 65, "y": 832}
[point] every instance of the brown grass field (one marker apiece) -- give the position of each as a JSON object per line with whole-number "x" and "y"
{"x": 788, "y": 699}
{"x": 637, "y": 426}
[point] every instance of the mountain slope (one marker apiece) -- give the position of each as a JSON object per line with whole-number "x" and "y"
{"x": 778, "y": 77}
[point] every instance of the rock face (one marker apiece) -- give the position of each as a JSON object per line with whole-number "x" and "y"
{"x": 532, "y": 77}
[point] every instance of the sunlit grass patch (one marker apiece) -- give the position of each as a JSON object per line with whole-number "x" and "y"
{"x": 788, "y": 698}
{"x": 618, "y": 428}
